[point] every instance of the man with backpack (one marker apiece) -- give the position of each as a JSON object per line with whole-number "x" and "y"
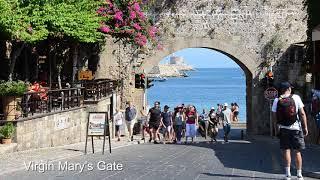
{"x": 289, "y": 115}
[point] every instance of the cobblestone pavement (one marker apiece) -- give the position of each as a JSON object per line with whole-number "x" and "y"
{"x": 258, "y": 158}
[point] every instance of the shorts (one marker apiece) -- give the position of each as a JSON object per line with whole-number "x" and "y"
{"x": 236, "y": 113}
{"x": 130, "y": 124}
{"x": 168, "y": 129}
{"x": 190, "y": 130}
{"x": 154, "y": 125}
{"x": 117, "y": 128}
{"x": 291, "y": 139}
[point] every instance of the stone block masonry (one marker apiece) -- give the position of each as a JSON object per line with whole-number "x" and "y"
{"x": 254, "y": 34}
{"x": 56, "y": 129}
{"x": 53, "y": 130}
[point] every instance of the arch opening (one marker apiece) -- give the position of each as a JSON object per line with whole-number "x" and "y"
{"x": 243, "y": 65}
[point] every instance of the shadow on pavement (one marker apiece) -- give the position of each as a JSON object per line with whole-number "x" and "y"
{"x": 235, "y": 176}
{"x": 240, "y": 154}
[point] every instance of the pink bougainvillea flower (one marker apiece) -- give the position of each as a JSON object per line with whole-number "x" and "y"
{"x": 137, "y": 26}
{"x": 141, "y": 16}
{"x": 100, "y": 10}
{"x": 140, "y": 39}
{"x": 118, "y": 16}
{"x": 109, "y": 3}
{"x": 160, "y": 47}
{"x": 132, "y": 15}
{"x": 152, "y": 31}
{"x": 105, "y": 29}
{"x": 136, "y": 6}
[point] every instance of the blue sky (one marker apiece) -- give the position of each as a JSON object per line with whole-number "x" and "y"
{"x": 205, "y": 58}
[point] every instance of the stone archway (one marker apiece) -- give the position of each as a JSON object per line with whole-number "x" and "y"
{"x": 257, "y": 35}
{"x": 233, "y": 50}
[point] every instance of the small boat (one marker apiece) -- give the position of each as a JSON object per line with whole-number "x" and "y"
{"x": 184, "y": 74}
{"x": 159, "y": 79}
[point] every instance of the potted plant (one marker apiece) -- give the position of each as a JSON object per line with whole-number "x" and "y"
{"x": 6, "y": 132}
{"x": 10, "y": 92}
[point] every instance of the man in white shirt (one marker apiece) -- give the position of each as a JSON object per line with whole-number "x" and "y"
{"x": 227, "y": 116}
{"x": 288, "y": 113}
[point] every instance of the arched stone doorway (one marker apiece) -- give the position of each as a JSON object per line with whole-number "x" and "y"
{"x": 235, "y": 51}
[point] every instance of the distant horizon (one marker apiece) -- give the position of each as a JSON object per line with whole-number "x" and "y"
{"x": 217, "y": 68}
{"x": 204, "y": 58}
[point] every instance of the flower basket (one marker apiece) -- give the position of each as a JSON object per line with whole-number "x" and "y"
{"x": 11, "y": 91}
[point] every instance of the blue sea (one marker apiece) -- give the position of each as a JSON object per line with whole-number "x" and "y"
{"x": 204, "y": 88}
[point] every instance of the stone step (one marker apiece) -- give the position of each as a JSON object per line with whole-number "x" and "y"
{"x": 8, "y": 148}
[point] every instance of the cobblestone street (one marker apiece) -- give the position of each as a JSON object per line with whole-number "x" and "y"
{"x": 239, "y": 159}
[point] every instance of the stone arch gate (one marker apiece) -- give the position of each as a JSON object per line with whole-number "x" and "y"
{"x": 250, "y": 32}
{"x": 234, "y": 51}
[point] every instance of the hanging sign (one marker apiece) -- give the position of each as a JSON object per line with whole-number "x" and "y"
{"x": 85, "y": 75}
{"x": 271, "y": 93}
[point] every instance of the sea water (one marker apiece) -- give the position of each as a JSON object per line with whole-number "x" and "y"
{"x": 204, "y": 88}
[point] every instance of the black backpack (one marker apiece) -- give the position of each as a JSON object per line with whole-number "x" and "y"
{"x": 286, "y": 111}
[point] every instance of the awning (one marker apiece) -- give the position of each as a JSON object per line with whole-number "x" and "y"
{"x": 316, "y": 34}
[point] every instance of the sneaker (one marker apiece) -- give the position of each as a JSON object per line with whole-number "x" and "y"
{"x": 299, "y": 177}
{"x": 150, "y": 140}
{"x": 118, "y": 139}
{"x": 131, "y": 138}
{"x": 287, "y": 178}
{"x": 142, "y": 139}
{"x": 155, "y": 142}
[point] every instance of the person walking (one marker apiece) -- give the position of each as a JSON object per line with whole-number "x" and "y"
{"x": 154, "y": 121}
{"x": 213, "y": 124}
{"x": 166, "y": 121}
{"x": 236, "y": 112}
{"x": 289, "y": 115}
{"x": 219, "y": 112}
{"x": 205, "y": 119}
{"x": 178, "y": 123}
{"x": 144, "y": 123}
{"x": 130, "y": 117}
{"x": 191, "y": 123}
{"x": 227, "y": 116}
{"x": 118, "y": 121}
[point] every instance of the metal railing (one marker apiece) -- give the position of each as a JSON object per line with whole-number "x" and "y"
{"x": 98, "y": 89}
{"x": 51, "y": 101}
{"x": 55, "y": 100}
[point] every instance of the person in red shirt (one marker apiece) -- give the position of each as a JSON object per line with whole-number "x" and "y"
{"x": 191, "y": 123}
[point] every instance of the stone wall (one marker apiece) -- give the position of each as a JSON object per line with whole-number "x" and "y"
{"x": 255, "y": 34}
{"x": 53, "y": 130}
{"x": 56, "y": 129}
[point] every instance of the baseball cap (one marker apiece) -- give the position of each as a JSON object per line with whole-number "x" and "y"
{"x": 225, "y": 104}
{"x": 157, "y": 102}
{"x": 166, "y": 107}
{"x": 285, "y": 85}
{"x": 213, "y": 108}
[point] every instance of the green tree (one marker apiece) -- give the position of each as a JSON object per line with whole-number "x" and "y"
{"x": 30, "y": 21}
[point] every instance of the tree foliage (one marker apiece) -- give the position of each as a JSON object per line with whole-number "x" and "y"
{"x": 36, "y": 20}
